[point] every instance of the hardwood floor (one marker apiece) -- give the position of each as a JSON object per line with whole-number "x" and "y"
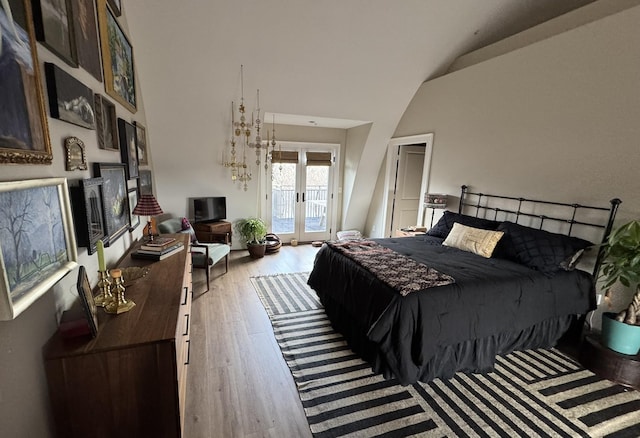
{"x": 238, "y": 382}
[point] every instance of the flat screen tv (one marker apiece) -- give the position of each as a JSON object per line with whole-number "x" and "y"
{"x": 209, "y": 209}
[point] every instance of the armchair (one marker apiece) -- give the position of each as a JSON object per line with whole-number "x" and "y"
{"x": 203, "y": 255}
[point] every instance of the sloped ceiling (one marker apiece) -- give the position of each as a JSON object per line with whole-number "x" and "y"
{"x": 329, "y": 60}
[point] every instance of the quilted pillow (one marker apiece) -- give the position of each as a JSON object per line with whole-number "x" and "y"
{"x": 444, "y": 225}
{"x": 475, "y": 240}
{"x": 538, "y": 249}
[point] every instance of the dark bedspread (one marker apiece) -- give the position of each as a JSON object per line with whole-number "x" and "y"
{"x": 500, "y": 303}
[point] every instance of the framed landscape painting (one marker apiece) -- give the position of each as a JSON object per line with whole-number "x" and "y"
{"x": 86, "y": 298}
{"x": 117, "y": 59}
{"x": 52, "y": 19}
{"x": 128, "y": 149}
{"x": 114, "y": 191}
{"x": 106, "y": 124}
{"x": 85, "y": 31}
{"x": 141, "y": 142}
{"x": 88, "y": 201}
{"x": 134, "y": 219}
{"x": 24, "y": 133}
{"x": 145, "y": 182}
{"x": 69, "y": 99}
{"x": 37, "y": 242}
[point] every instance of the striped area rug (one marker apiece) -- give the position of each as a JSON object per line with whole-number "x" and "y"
{"x": 285, "y": 293}
{"x": 539, "y": 393}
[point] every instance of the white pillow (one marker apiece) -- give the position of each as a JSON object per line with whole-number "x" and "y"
{"x": 475, "y": 240}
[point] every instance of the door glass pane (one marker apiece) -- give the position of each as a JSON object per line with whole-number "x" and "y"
{"x": 317, "y": 184}
{"x": 283, "y": 198}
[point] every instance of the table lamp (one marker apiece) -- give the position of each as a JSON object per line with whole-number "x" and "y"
{"x": 435, "y": 201}
{"x": 148, "y": 206}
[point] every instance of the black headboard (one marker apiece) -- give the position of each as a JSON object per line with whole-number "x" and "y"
{"x": 515, "y": 209}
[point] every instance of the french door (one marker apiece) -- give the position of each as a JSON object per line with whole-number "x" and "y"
{"x": 301, "y": 203}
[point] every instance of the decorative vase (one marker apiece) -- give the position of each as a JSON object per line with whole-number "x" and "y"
{"x": 619, "y": 336}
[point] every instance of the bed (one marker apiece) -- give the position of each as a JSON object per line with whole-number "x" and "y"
{"x": 420, "y": 308}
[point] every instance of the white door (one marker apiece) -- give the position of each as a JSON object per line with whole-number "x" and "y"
{"x": 301, "y": 193}
{"x": 408, "y": 183}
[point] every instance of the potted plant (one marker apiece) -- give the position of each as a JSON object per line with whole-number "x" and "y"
{"x": 253, "y": 231}
{"x": 621, "y": 332}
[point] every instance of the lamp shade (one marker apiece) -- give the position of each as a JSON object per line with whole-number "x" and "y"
{"x": 435, "y": 200}
{"x": 147, "y": 206}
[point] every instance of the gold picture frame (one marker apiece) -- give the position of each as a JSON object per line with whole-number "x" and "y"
{"x": 117, "y": 59}
{"x": 23, "y": 141}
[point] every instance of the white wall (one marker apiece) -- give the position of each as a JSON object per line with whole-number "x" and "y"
{"x": 24, "y": 400}
{"x": 555, "y": 120}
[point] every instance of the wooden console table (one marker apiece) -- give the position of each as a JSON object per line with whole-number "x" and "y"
{"x": 130, "y": 380}
{"x": 213, "y": 232}
{"x": 609, "y": 364}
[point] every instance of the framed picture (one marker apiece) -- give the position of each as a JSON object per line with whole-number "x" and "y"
{"x": 88, "y": 303}
{"x": 141, "y": 143}
{"x": 85, "y": 31}
{"x": 52, "y": 20}
{"x": 106, "y": 125}
{"x": 134, "y": 219}
{"x": 76, "y": 157}
{"x": 117, "y": 59}
{"x": 128, "y": 149}
{"x": 116, "y": 7}
{"x": 23, "y": 119}
{"x": 115, "y": 206}
{"x": 145, "y": 183}
{"x": 37, "y": 243}
{"x": 88, "y": 213}
{"x": 69, "y": 99}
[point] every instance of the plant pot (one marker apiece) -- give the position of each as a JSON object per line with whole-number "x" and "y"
{"x": 256, "y": 250}
{"x": 618, "y": 336}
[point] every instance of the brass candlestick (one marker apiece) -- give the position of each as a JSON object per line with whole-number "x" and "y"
{"x": 104, "y": 283}
{"x": 119, "y": 304}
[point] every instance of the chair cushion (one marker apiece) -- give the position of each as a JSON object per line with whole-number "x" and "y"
{"x": 217, "y": 251}
{"x": 175, "y": 225}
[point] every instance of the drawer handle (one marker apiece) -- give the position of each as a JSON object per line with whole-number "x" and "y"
{"x": 186, "y": 327}
{"x": 186, "y": 295}
{"x": 188, "y": 351}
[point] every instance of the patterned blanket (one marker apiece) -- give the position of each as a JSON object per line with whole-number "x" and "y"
{"x": 396, "y": 270}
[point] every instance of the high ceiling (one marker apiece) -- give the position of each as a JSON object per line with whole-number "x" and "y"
{"x": 338, "y": 63}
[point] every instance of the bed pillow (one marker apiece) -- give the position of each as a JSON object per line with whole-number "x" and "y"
{"x": 476, "y": 240}
{"x": 539, "y": 249}
{"x": 444, "y": 225}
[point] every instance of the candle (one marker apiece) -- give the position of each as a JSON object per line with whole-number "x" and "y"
{"x": 101, "y": 265}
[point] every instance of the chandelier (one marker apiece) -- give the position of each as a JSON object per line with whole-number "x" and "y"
{"x": 241, "y": 133}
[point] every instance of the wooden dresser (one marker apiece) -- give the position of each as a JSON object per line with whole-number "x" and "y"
{"x": 129, "y": 381}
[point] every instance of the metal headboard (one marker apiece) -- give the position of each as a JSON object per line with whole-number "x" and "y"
{"x": 517, "y": 210}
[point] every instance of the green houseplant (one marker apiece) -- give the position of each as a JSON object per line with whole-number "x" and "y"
{"x": 253, "y": 231}
{"x": 621, "y": 332}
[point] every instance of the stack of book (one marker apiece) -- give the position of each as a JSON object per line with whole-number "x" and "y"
{"x": 158, "y": 249}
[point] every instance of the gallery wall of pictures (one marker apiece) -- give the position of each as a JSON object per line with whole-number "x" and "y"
{"x": 60, "y": 101}
{"x": 79, "y": 116}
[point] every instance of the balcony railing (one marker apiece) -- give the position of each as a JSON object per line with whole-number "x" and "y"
{"x": 284, "y": 204}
